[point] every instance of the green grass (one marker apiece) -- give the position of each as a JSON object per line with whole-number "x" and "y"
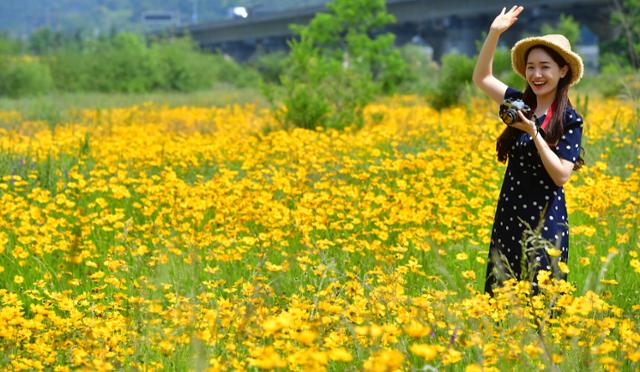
{"x": 55, "y": 107}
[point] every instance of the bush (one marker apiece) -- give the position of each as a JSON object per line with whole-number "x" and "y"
{"x": 230, "y": 72}
{"x": 126, "y": 64}
{"x": 323, "y": 93}
{"x": 420, "y": 70}
{"x": 181, "y": 67}
{"x": 270, "y": 66}
{"x": 335, "y": 67}
{"x": 305, "y": 107}
{"x": 20, "y": 76}
{"x": 70, "y": 69}
{"x": 616, "y": 79}
{"x": 123, "y": 64}
{"x": 455, "y": 78}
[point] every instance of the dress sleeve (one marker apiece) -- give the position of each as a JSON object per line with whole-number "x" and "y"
{"x": 568, "y": 147}
{"x": 512, "y": 93}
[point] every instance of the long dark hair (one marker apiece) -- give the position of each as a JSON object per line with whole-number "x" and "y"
{"x": 555, "y": 128}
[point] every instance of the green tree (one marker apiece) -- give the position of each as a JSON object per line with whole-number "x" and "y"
{"x": 44, "y": 41}
{"x": 566, "y": 26}
{"x": 344, "y": 35}
{"x": 627, "y": 16}
{"x": 123, "y": 64}
{"x": 336, "y": 67}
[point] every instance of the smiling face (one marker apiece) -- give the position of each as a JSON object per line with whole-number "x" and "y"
{"x": 543, "y": 72}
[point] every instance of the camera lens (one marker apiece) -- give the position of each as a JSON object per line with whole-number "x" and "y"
{"x": 509, "y": 116}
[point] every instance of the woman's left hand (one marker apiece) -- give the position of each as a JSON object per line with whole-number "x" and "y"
{"x": 525, "y": 124}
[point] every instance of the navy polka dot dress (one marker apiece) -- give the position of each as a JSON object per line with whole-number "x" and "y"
{"x": 530, "y": 197}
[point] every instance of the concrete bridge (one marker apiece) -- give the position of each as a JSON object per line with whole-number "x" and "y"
{"x": 445, "y": 25}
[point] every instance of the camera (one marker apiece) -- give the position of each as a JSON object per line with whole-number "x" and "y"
{"x": 509, "y": 110}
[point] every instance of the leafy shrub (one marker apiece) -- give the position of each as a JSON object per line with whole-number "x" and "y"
{"x": 70, "y": 69}
{"x": 123, "y": 64}
{"x": 21, "y": 76}
{"x": 335, "y": 68}
{"x": 322, "y": 92}
{"x": 270, "y": 66}
{"x": 455, "y": 77}
{"x": 616, "y": 79}
{"x": 230, "y": 72}
{"x": 181, "y": 67}
{"x": 420, "y": 70}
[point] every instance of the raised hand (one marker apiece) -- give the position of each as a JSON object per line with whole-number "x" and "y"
{"x": 505, "y": 19}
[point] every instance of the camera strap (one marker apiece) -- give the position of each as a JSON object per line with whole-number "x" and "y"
{"x": 548, "y": 115}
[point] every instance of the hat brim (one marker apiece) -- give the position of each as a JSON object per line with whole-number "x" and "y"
{"x": 521, "y": 47}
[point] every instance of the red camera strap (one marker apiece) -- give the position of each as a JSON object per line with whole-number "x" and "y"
{"x": 548, "y": 115}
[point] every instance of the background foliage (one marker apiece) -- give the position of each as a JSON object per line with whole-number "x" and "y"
{"x": 125, "y": 62}
{"x": 338, "y": 62}
{"x": 336, "y": 67}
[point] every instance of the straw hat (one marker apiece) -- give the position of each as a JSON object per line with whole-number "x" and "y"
{"x": 556, "y": 42}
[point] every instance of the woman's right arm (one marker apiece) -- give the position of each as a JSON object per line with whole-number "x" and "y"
{"x": 483, "y": 73}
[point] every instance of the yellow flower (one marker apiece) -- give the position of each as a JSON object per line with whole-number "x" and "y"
{"x": 416, "y": 329}
{"x": 18, "y": 279}
{"x": 97, "y": 275}
{"x": 563, "y": 267}
{"x": 426, "y": 351}
{"x": 451, "y": 356}
{"x": 554, "y": 252}
{"x": 533, "y": 350}
{"x": 635, "y": 263}
{"x": 266, "y": 358}
{"x": 385, "y": 360}
{"x": 469, "y": 274}
{"x": 609, "y": 361}
{"x": 275, "y": 268}
{"x": 609, "y": 281}
{"x": 622, "y": 238}
{"x": 340, "y": 355}
{"x": 178, "y": 203}
{"x": 473, "y": 368}
{"x": 307, "y": 337}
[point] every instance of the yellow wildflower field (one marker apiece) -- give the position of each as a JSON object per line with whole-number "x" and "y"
{"x": 160, "y": 238}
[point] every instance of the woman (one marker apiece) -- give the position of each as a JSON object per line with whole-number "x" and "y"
{"x": 541, "y": 152}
